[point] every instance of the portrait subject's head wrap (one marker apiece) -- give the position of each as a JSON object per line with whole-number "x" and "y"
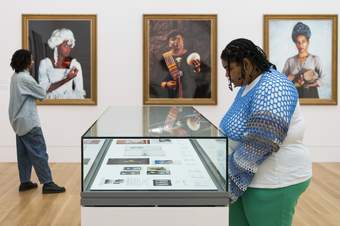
{"x": 301, "y": 29}
{"x": 59, "y": 36}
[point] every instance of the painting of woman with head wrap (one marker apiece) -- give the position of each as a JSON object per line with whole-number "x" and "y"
{"x": 304, "y": 49}
{"x": 304, "y": 68}
{"x": 62, "y": 49}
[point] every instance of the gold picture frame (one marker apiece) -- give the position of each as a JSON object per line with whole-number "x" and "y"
{"x": 319, "y": 47}
{"x": 37, "y": 30}
{"x": 169, "y": 75}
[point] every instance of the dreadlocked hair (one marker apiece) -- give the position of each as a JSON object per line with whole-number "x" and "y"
{"x": 241, "y": 48}
{"x": 21, "y": 60}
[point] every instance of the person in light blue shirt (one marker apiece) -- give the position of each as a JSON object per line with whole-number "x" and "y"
{"x": 24, "y": 119}
{"x": 269, "y": 167}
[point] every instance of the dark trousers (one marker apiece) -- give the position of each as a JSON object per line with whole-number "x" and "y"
{"x": 31, "y": 151}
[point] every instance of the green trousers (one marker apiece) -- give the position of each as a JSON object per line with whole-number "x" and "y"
{"x": 266, "y": 207}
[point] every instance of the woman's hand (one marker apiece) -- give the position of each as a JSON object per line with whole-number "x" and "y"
{"x": 300, "y": 80}
{"x": 197, "y": 65}
{"x": 314, "y": 84}
{"x": 168, "y": 84}
{"x": 72, "y": 73}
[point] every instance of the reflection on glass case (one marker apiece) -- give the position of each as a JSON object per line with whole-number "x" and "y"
{"x": 154, "y": 156}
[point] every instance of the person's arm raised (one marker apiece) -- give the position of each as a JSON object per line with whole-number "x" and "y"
{"x": 71, "y": 74}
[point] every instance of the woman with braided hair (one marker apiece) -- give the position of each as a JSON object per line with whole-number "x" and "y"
{"x": 268, "y": 166}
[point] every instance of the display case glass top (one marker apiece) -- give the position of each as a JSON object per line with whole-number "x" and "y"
{"x": 152, "y": 121}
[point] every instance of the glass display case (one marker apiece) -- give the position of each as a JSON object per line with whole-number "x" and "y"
{"x": 153, "y": 156}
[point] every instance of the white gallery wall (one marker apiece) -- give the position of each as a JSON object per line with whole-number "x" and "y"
{"x": 120, "y": 62}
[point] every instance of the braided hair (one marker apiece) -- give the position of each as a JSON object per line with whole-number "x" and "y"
{"x": 241, "y": 48}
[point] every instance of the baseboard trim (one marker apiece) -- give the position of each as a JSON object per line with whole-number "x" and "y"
{"x": 330, "y": 153}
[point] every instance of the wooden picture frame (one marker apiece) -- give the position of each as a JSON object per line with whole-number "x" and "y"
{"x": 179, "y": 56}
{"x": 304, "y": 47}
{"x": 71, "y": 40}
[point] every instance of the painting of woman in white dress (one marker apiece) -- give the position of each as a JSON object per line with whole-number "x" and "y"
{"x": 61, "y": 76}
{"x": 63, "y": 49}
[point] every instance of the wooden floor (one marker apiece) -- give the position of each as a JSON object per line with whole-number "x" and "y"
{"x": 318, "y": 206}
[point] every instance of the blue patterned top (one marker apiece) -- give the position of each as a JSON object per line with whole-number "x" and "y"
{"x": 259, "y": 120}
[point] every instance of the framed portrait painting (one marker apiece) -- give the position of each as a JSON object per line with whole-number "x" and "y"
{"x": 180, "y": 59}
{"x": 64, "y": 52}
{"x": 304, "y": 48}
